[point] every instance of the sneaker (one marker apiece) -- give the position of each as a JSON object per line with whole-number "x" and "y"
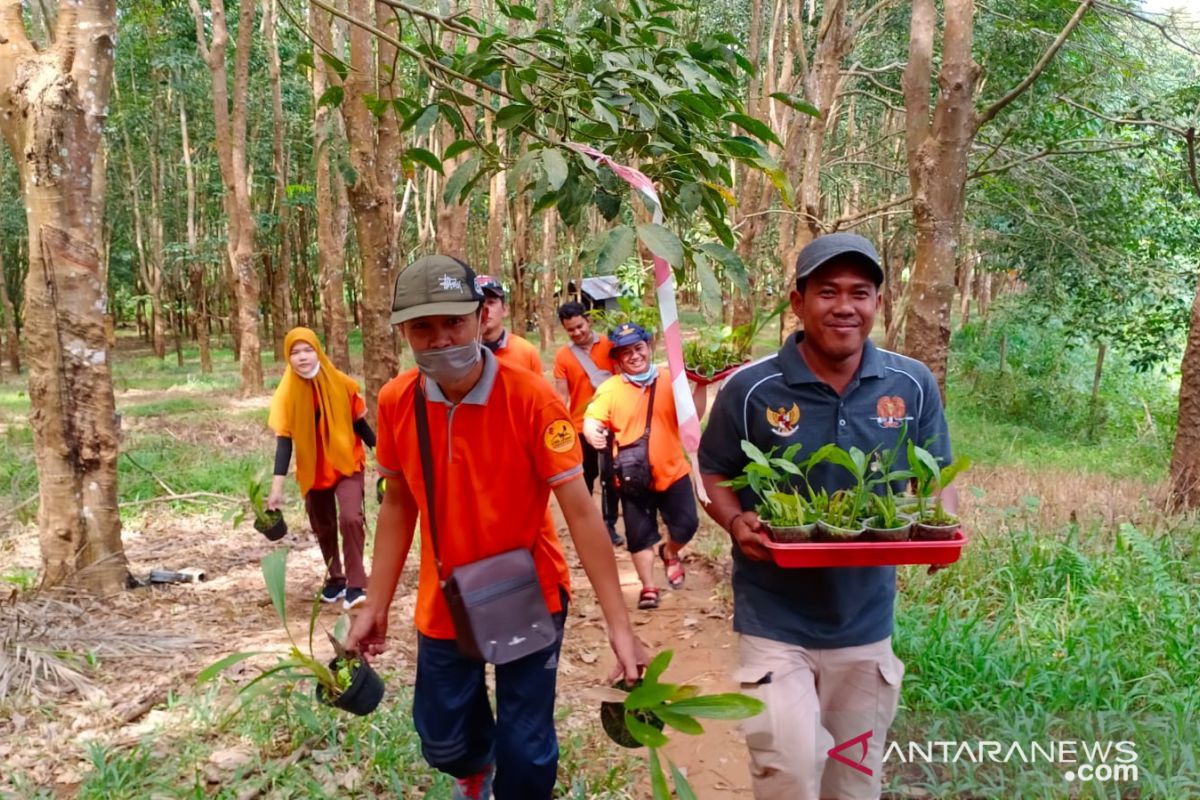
{"x": 474, "y": 787}
{"x": 333, "y": 591}
{"x": 354, "y": 598}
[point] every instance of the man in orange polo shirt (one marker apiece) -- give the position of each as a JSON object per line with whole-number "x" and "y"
{"x": 620, "y": 410}
{"x": 505, "y": 345}
{"x": 500, "y": 444}
{"x": 580, "y": 367}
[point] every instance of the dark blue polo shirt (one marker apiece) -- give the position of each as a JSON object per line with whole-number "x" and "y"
{"x": 777, "y": 402}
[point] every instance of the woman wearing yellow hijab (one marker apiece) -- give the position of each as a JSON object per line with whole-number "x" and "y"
{"x": 318, "y": 412}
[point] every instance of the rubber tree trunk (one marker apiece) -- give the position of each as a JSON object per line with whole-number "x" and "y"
{"x": 1185, "y": 457}
{"x": 53, "y": 105}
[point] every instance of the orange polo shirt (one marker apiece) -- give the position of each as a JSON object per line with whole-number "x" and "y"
{"x": 621, "y": 406}
{"x": 579, "y": 385}
{"x": 496, "y": 456}
{"x": 324, "y": 474}
{"x": 519, "y": 352}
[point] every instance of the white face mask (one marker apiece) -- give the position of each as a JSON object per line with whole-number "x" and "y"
{"x": 448, "y": 365}
{"x": 316, "y": 368}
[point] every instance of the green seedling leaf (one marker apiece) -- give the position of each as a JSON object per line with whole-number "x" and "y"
{"x": 649, "y": 695}
{"x": 656, "y": 667}
{"x": 658, "y": 780}
{"x": 682, "y": 788}
{"x": 274, "y": 570}
{"x": 680, "y": 722}
{"x": 720, "y": 706}
{"x": 646, "y": 734}
{"x": 217, "y": 667}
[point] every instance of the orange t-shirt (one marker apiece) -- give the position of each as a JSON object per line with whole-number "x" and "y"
{"x": 621, "y": 406}
{"x": 325, "y": 476}
{"x": 520, "y": 353}
{"x": 496, "y": 456}
{"x": 579, "y": 385}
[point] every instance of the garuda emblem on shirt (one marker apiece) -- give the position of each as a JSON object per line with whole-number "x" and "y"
{"x": 783, "y": 421}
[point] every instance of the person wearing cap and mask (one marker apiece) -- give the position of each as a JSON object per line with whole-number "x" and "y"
{"x": 500, "y": 443}
{"x": 815, "y": 644}
{"x": 318, "y": 413}
{"x": 505, "y": 345}
{"x": 618, "y": 415}
{"x": 579, "y": 368}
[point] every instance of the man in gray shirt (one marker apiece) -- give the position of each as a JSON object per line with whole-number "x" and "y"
{"x": 816, "y": 643}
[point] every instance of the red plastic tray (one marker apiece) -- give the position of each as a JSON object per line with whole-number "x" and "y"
{"x": 705, "y": 380}
{"x": 867, "y": 554}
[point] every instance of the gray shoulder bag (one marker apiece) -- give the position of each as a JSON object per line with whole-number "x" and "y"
{"x": 595, "y": 375}
{"x": 496, "y": 603}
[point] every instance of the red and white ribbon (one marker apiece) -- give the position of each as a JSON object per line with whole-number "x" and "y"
{"x": 664, "y": 289}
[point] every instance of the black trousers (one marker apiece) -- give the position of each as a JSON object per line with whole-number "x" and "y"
{"x": 596, "y": 465}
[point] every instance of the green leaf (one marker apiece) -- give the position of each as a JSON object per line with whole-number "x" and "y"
{"x": 682, "y": 787}
{"x": 304, "y": 59}
{"x": 616, "y": 250}
{"x": 217, "y": 667}
{"x": 710, "y": 287}
{"x": 606, "y": 115}
{"x": 657, "y": 666}
{"x": 648, "y": 735}
{"x": 512, "y": 115}
{"x": 423, "y": 156}
{"x": 754, "y": 126}
{"x": 556, "y": 168}
{"x": 798, "y": 103}
{"x": 456, "y": 147}
{"x": 735, "y": 268}
{"x": 719, "y": 706}
{"x": 658, "y": 780}
{"x": 680, "y": 722}
{"x": 274, "y": 570}
{"x": 662, "y": 242}
{"x": 336, "y": 64}
{"x": 459, "y": 180}
{"x": 754, "y": 454}
{"x": 648, "y": 695}
{"x": 422, "y": 119}
{"x": 332, "y": 96}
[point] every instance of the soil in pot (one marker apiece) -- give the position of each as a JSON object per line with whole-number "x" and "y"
{"x": 828, "y": 532}
{"x": 790, "y": 534}
{"x": 612, "y": 719}
{"x": 935, "y": 531}
{"x": 363, "y": 694}
{"x": 275, "y": 526}
{"x": 877, "y": 532}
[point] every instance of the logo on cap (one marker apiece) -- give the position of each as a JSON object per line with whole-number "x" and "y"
{"x": 449, "y": 283}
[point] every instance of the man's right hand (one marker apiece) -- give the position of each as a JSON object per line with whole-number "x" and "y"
{"x": 368, "y": 633}
{"x": 597, "y": 437}
{"x": 748, "y": 531}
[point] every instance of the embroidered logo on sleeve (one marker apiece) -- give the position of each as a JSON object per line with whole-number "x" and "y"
{"x": 783, "y": 421}
{"x": 559, "y": 436}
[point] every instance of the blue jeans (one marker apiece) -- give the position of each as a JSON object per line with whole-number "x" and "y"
{"x": 459, "y": 735}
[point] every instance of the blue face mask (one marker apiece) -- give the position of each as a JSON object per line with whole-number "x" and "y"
{"x": 646, "y": 378}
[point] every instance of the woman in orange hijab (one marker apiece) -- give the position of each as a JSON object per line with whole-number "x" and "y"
{"x": 318, "y": 412}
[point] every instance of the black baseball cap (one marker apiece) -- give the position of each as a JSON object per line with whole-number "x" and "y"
{"x": 489, "y": 286}
{"x": 825, "y": 249}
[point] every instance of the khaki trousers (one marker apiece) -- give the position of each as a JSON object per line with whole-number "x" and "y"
{"x": 817, "y": 701}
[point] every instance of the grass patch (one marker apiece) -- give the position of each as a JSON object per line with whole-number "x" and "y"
{"x": 1075, "y": 634}
{"x": 168, "y": 406}
{"x": 376, "y": 756}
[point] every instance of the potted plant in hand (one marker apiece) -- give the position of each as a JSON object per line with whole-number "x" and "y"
{"x": 889, "y": 522}
{"x": 269, "y": 522}
{"x": 933, "y": 523}
{"x": 788, "y": 516}
{"x": 346, "y": 682}
{"x": 650, "y": 706}
{"x": 842, "y": 520}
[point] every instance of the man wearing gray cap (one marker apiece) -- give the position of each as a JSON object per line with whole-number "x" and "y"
{"x": 815, "y": 643}
{"x": 473, "y": 449}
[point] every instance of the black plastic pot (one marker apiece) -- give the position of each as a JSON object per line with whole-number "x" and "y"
{"x": 612, "y": 719}
{"x": 363, "y": 694}
{"x": 275, "y": 528}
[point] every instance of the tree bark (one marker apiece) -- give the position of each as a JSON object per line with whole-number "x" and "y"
{"x": 331, "y": 205}
{"x": 199, "y": 305}
{"x": 53, "y": 105}
{"x": 229, "y": 121}
{"x": 374, "y": 154}
{"x": 12, "y": 345}
{"x": 1185, "y": 456}
{"x": 549, "y": 277}
{"x": 283, "y": 264}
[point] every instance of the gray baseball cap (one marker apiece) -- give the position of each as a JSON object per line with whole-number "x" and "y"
{"x": 824, "y": 249}
{"x": 435, "y": 285}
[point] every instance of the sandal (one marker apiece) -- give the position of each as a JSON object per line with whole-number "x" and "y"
{"x": 677, "y": 577}
{"x": 648, "y": 598}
